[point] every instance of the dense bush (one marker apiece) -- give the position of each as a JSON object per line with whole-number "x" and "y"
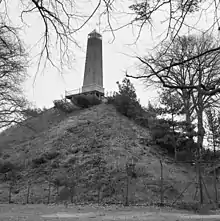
{"x": 39, "y": 161}
{"x": 209, "y": 155}
{"x": 33, "y": 112}
{"x": 55, "y": 164}
{"x": 142, "y": 121}
{"x": 86, "y": 101}
{"x": 71, "y": 160}
{"x": 51, "y": 155}
{"x": 159, "y": 129}
{"x": 5, "y": 156}
{"x": 110, "y": 99}
{"x": 127, "y": 104}
{"x": 184, "y": 155}
{"x": 64, "y": 106}
{"x": 6, "y": 166}
{"x": 163, "y": 135}
{"x": 44, "y": 158}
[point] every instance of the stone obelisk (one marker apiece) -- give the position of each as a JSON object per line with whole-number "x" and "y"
{"x": 93, "y": 75}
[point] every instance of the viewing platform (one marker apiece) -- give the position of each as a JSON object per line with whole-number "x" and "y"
{"x": 89, "y": 89}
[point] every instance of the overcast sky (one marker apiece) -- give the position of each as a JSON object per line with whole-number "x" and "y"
{"x": 116, "y": 58}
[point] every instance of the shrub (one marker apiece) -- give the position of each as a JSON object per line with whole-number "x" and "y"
{"x": 38, "y": 161}
{"x": 126, "y": 102}
{"x": 111, "y": 99}
{"x": 74, "y": 150}
{"x": 86, "y": 101}
{"x": 142, "y": 121}
{"x": 59, "y": 181}
{"x": 82, "y": 101}
{"x": 51, "y": 155}
{"x": 64, "y": 106}
{"x": 159, "y": 129}
{"x": 71, "y": 160}
{"x": 184, "y": 155}
{"x": 55, "y": 164}
{"x": 126, "y": 106}
{"x": 94, "y": 100}
{"x": 167, "y": 140}
{"x": 32, "y": 112}
{"x": 6, "y": 166}
{"x": 161, "y": 133}
{"x": 5, "y": 156}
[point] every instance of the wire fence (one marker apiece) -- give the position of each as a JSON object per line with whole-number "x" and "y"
{"x": 128, "y": 185}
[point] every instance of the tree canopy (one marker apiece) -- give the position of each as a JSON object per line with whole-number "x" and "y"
{"x": 62, "y": 19}
{"x": 12, "y": 75}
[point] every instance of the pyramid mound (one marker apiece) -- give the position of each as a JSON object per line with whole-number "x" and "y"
{"x": 90, "y": 148}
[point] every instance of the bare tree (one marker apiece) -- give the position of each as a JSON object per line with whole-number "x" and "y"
{"x": 197, "y": 81}
{"x": 62, "y": 19}
{"x": 178, "y": 16}
{"x": 12, "y": 76}
{"x": 59, "y": 20}
{"x": 213, "y": 118}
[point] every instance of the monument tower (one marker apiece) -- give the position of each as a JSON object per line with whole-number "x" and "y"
{"x": 93, "y": 74}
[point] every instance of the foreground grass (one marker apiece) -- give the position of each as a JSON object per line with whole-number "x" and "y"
{"x": 84, "y": 213}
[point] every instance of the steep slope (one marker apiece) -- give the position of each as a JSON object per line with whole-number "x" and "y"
{"x": 74, "y": 143}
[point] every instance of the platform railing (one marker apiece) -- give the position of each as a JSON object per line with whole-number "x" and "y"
{"x": 86, "y": 88}
{"x": 73, "y": 92}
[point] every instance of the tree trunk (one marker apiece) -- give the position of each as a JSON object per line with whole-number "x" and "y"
{"x": 215, "y": 187}
{"x": 161, "y": 184}
{"x": 200, "y": 138}
{"x": 215, "y": 176}
{"x": 186, "y": 102}
{"x": 200, "y": 182}
{"x": 173, "y": 128}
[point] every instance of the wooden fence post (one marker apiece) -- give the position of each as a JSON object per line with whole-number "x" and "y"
{"x": 161, "y": 184}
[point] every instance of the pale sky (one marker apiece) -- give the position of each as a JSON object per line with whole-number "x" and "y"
{"x": 51, "y": 85}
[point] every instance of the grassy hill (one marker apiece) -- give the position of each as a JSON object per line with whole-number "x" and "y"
{"x": 90, "y": 148}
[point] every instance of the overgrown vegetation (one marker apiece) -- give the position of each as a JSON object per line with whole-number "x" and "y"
{"x": 33, "y": 112}
{"x": 168, "y": 133}
{"x": 85, "y": 101}
{"x": 44, "y": 158}
{"x": 79, "y": 101}
{"x": 126, "y": 103}
{"x": 64, "y": 106}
